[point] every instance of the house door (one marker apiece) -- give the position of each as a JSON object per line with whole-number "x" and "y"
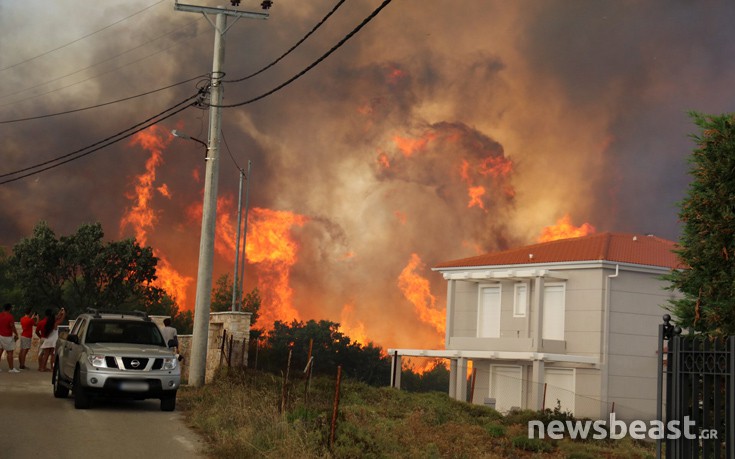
{"x": 506, "y": 387}
{"x": 559, "y": 388}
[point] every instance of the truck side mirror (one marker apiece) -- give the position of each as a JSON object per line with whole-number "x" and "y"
{"x": 73, "y": 339}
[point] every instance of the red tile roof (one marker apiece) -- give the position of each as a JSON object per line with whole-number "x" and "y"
{"x": 630, "y": 248}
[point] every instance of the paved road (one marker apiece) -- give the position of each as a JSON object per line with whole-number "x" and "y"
{"x": 37, "y": 425}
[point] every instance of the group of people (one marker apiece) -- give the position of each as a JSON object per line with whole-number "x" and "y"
{"x": 46, "y": 330}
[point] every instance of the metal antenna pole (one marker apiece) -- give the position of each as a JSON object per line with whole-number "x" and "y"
{"x": 235, "y": 277}
{"x": 198, "y": 359}
{"x": 245, "y": 234}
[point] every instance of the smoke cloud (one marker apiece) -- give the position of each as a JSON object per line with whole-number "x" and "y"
{"x": 437, "y": 132}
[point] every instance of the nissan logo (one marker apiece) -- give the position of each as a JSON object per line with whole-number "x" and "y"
{"x": 135, "y": 363}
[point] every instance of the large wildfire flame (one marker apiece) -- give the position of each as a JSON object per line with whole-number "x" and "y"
{"x": 272, "y": 249}
{"x": 564, "y": 229}
{"x": 351, "y": 326}
{"x": 142, "y": 218}
{"x": 417, "y": 290}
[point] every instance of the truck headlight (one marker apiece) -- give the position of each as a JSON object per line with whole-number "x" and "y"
{"x": 170, "y": 363}
{"x": 97, "y": 361}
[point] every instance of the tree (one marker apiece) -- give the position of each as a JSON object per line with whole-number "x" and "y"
{"x": 707, "y": 245}
{"x": 81, "y": 271}
{"x": 221, "y": 299}
{"x": 330, "y": 348}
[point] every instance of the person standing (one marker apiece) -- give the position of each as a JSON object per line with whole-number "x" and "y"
{"x": 8, "y": 335}
{"x": 26, "y": 335}
{"x": 170, "y": 336}
{"x": 47, "y": 329}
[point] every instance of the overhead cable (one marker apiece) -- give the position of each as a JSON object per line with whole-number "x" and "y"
{"x": 49, "y": 115}
{"x": 82, "y": 152}
{"x": 313, "y": 64}
{"x": 314, "y": 29}
{"x": 80, "y": 38}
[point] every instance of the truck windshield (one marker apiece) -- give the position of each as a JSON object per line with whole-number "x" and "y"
{"x": 124, "y": 331}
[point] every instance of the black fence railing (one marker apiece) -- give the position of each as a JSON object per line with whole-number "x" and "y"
{"x": 697, "y": 393}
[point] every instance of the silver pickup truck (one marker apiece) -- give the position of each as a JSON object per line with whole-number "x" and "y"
{"x": 116, "y": 354}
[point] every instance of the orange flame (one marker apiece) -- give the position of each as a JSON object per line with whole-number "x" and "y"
{"x": 417, "y": 290}
{"x": 141, "y": 216}
{"x": 564, "y": 229}
{"x": 476, "y": 193}
{"x": 271, "y": 247}
{"x": 492, "y": 166}
{"x": 352, "y": 327}
{"x": 409, "y": 146}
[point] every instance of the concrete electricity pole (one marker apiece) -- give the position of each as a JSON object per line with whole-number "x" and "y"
{"x": 198, "y": 359}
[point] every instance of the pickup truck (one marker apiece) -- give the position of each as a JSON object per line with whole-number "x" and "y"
{"x": 115, "y": 354}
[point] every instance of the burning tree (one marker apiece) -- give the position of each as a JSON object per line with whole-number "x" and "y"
{"x": 81, "y": 271}
{"x": 707, "y": 245}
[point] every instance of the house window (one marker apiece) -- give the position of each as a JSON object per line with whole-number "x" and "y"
{"x": 553, "y": 312}
{"x": 520, "y": 300}
{"x": 488, "y": 312}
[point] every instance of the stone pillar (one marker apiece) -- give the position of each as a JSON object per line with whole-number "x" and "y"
{"x": 234, "y": 326}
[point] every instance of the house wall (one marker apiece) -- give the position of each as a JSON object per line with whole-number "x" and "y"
{"x": 636, "y": 307}
{"x": 583, "y": 311}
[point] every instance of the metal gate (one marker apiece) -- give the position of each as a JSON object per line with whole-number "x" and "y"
{"x": 696, "y": 384}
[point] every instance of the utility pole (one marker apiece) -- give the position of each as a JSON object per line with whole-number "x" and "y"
{"x": 198, "y": 360}
{"x": 245, "y": 234}
{"x": 237, "y": 281}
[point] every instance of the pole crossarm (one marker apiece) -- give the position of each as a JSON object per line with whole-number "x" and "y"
{"x": 210, "y": 10}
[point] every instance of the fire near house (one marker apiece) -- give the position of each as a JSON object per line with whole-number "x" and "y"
{"x": 570, "y": 323}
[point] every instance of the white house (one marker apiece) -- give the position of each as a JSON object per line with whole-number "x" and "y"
{"x": 572, "y": 322}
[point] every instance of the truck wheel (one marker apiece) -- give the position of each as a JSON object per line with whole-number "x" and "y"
{"x": 59, "y": 390}
{"x": 82, "y": 398}
{"x": 168, "y": 402}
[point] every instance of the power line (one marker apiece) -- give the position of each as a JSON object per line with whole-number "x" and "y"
{"x": 49, "y": 115}
{"x": 80, "y": 153}
{"x": 314, "y": 29}
{"x": 111, "y": 58}
{"x": 227, "y": 147}
{"x": 181, "y": 106}
{"x": 313, "y": 64}
{"x": 80, "y": 38}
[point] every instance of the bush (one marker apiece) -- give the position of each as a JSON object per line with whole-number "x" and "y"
{"x": 531, "y": 444}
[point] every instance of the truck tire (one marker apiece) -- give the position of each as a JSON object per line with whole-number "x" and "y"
{"x": 168, "y": 402}
{"x": 82, "y": 398}
{"x": 59, "y": 390}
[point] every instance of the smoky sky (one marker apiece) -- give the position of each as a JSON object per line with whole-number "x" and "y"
{"x": 550, "y": 108}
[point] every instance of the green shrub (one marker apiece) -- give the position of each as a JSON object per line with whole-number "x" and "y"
{"x": 531, "y": 444}
{"x": 495, "y": 430}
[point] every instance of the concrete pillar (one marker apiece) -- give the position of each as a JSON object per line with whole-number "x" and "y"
{"x": 536, "y": 380}
{"x": 537, "y": 311}
{"x": 461, "y": 381}
{"x": 453, "y": 378}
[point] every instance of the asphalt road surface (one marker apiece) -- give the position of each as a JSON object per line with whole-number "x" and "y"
{"x": 37, "y": 425}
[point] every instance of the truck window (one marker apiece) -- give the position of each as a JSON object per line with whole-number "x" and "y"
{"x": 124, "y": 331}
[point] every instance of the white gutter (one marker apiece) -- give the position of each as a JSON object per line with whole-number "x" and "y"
{"x": 605, "y": 345}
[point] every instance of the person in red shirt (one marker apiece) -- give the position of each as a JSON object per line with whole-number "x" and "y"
{"x": 26, "y": 335}
{"x": 8, "y": 335}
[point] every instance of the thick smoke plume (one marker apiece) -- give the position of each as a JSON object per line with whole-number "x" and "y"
{"x": 439, "y": 131}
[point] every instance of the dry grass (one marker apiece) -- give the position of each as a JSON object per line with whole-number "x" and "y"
{"x": 239, "y": 414}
